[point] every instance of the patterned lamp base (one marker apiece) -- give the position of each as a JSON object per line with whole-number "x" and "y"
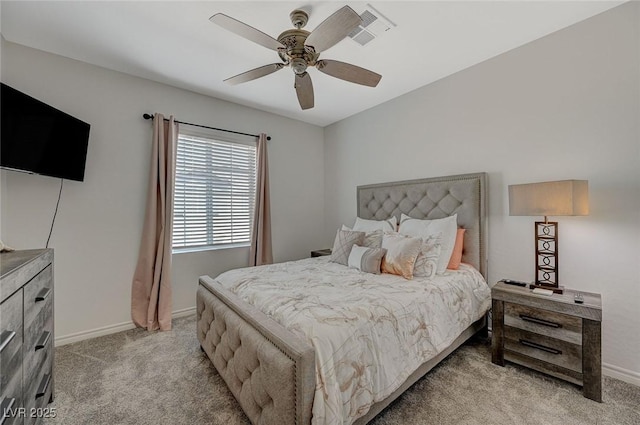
{"x": 546, "y": 237}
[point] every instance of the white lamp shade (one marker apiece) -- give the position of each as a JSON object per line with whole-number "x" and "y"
{"x": 566, "y": 197}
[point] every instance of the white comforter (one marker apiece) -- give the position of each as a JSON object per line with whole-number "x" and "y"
{"x": 370, "y": 332}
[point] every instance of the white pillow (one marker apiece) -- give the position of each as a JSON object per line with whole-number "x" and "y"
{"x": 389, "y": 225}
{"x": 371, "y": 239}
{"x": 448, "y": 226}
{"x": 366, "y": 259}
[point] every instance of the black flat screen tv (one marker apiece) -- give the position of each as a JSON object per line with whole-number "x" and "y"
{"x": 38, "y": 138}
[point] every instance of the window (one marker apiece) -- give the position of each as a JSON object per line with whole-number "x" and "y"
{"x": 214, "y": 193}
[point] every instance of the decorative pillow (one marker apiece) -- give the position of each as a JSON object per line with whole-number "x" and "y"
{"x": 344, "y": 241}
{"x": 371, "y": 239}
{"x": 448, "y": 226}
{"x": 366, "y": 259}
{"x": 456, "y": 255}
{"x": 401, "y": 255}
{"x": 389, "y": 225}
{"x": 427, "y": 260}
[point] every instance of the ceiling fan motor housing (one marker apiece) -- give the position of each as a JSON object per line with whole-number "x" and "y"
{"x": 294, "y": 40}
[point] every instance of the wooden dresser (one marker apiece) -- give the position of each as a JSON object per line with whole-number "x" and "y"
{"x": 26, "y": 336}
{"x": 551, "y": 334}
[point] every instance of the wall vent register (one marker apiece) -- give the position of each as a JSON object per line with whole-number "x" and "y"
{"x": 374, "y": 24}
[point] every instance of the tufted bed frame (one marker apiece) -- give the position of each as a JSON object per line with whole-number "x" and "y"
{"x": 271, "y": 371}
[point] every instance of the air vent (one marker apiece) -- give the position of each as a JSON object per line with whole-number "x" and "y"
{"x": 363, "y": 37}
{"x": 373, "y": 25}
{"x": 367, "y": 18}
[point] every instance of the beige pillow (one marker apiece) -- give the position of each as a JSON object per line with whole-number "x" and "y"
{"x": 366, "y": 259}
{"x": 401, "y": 255}
{"x": 372, "y": 239}
{"x": 344, "y": 241}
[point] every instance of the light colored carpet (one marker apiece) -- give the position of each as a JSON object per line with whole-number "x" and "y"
{"x": 136, "y": 377}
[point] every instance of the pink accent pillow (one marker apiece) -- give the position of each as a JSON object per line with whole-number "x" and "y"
{"x": 401, "y": 255}
{"x": 456, "y": 255}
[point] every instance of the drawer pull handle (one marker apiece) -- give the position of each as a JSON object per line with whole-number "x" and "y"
{"x": 6, "y": 338}
{"x": 540, "y": 321}
{"x": 44, "y": 385}
{"x": 43, "y": 294}
{"x": 6, "y": 406}
{"x": 540, "y": 347}
{"x": 42, "y": 342}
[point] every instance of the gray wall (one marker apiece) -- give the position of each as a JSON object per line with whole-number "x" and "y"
{"x": 97, "y": 231}
{"x": 566, "y": 106}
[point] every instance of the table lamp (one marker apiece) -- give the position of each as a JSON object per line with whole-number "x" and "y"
{"x": 557, "y": 198}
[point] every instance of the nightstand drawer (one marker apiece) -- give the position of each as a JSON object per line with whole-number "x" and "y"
{"x": 549, "y": 350}
{"x": 555, "y": 325}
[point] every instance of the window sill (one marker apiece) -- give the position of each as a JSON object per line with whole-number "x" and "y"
{"x": 209, "y": 248}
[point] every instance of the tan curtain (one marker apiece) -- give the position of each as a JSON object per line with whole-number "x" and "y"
{"x": 151, "y": 287}
{"x": 260, "y": 252}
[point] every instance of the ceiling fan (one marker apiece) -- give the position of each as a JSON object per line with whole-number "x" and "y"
{"x": 301, "y": 49}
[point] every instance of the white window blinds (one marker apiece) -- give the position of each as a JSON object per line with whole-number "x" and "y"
{"x": 214, "y": 193}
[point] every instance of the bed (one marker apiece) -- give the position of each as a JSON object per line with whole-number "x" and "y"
{"x": 274, "y": 358}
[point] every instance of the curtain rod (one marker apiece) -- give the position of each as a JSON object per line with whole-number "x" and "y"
{"x": 149, "y": 117}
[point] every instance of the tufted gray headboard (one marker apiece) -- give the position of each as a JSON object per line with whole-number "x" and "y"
{"x": 436, "y": 197}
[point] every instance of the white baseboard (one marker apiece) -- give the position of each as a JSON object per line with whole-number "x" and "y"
{"x": 184, "y": 312}
{"x": 622, "y": 374}
{"x": 110, "y": 329}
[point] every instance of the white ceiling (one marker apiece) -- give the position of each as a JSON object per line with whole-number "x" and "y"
{"x": 173, "y": 42}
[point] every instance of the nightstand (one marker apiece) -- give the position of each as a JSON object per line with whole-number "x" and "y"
{"x": 549, "y": 333}
{"x": 321, "y": 252}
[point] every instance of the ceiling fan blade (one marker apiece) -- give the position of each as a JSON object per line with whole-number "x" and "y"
{"x": 348, "y": 72}
{"x": 246, "y": 31}
{"x": 304, "y": 90}
{"x": 333, "y": 29}
{"x": 254, "y": 73}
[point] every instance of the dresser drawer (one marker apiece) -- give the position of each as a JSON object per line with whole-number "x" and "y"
{"x": 10, "y": 338}
{"x": 11, "y": 400}
{"x": 38, "y": 392}
{"x": 37, "y": 294}
{"x": 12, "y": 380}
{"x": 37, "y": 360}
{"x": 544, "y": 348}
{"x": 38, "y": 340}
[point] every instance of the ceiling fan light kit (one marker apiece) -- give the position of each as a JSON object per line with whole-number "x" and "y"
{"x": 300, "y": 49}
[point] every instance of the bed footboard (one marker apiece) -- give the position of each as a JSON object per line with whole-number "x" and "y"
{"x": 269, "y": 370}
